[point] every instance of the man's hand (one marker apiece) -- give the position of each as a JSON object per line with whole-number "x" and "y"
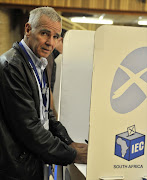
{"x": 81, "y": 149}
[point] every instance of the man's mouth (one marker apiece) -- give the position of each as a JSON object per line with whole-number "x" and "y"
{"x": 46, "y": 49}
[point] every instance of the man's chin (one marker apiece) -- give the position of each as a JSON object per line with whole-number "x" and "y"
{"x": 45, "y": 55}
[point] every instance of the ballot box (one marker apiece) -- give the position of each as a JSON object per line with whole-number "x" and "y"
{"x": 129, "y": 146}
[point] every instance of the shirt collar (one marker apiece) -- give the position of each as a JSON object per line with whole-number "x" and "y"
{"x": 39, "y": 62}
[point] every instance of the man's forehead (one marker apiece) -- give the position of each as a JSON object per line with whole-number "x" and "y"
{"x": 53, "y": 26}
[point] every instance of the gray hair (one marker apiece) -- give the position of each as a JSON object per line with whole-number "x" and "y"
{"x": 36, "y": 14}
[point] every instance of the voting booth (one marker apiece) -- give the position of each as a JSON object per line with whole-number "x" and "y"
{"x": 57, "y": 84}
{"x": 76, "y": 81}
{"x": 103, "y": 99}
{"x": 118, "y": 112}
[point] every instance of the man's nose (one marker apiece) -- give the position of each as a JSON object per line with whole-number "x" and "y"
{"x": 50, "y": 41}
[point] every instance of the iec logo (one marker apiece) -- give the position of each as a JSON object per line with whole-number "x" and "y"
{"x": 129, "y": 87}
{"x": 130, "y": 144}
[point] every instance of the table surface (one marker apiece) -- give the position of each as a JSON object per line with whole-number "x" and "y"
{"x": 82, "y": 168}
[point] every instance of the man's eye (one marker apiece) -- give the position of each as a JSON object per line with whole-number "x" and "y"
{"x": 56, "y": 37}
{"x": 43, "y": 33}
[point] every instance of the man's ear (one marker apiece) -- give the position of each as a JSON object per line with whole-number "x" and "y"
{"x": 27, "y": 29}
{"x": 59, "y": 45}
{"x": 60, "y": 39}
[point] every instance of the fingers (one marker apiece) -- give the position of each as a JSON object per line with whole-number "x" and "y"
{"x": 81, "y": 158}
{"x": 81, "y": 149}
{"x": 78, "y": 145}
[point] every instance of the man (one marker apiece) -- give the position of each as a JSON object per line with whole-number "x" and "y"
{"x": 28, "y": 139}
{"x": 51, "y": 69}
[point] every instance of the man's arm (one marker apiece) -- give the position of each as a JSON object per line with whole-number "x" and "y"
{"x": 81, "y": 148}
{"x": 60, "y": 131}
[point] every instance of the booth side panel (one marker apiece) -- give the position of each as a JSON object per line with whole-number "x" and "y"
{"x": 118, "y": 104}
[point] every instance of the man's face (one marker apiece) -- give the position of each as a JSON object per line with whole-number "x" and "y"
{"x": 44, "y": 38}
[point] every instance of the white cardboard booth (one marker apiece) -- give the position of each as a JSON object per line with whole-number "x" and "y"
{"x": 118, "y": 112}
{"x": 104, "y": 100}
{"x": 77, "y": 67}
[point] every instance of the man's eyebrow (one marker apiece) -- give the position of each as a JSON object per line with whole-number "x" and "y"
{"x": 59, "y": 35}
{"x": 48, "y": 31}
